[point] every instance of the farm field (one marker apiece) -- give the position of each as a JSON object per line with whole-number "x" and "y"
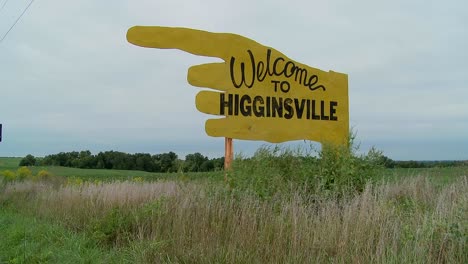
{"x": 440, "y": 176}
{"x": 103, "y": 174}
{"x": 403, "y": 216}
{"x": 9, "y": 163}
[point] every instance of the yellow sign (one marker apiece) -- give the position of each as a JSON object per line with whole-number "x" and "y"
{"x": 263, "y": 95}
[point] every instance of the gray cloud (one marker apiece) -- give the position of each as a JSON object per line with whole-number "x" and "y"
{"x": 70, "y": 81}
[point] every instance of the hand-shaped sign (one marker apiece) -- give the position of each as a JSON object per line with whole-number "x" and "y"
{"x": 263, "y": 95}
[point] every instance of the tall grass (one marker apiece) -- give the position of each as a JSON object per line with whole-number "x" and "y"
{"x": 410, "y": 221}
{"x": 27, "y": 240}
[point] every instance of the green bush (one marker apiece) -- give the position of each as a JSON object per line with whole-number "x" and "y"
{"x": 8, "y": 175}
{"x": 335, "y": 170}
{"x": 42, "y": 175}
{"x": 45, "y": 176}
{"x": 23, "y": 173}
{"x": 271, "y": 170}
{"x": 341, "y": 170}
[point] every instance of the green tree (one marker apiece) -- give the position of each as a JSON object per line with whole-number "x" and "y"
{"x": 86, "y": 160}
{"x": 218, "y": 163}
{"x": 207, "y": 165}
{"x": 194, "y": 162}
{"x": 29, "y": 160}
{"x": 143, "y": 162}
{"x": 168, "y": 162}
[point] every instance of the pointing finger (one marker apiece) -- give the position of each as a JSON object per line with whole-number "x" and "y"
{"x": 210, "y": 75}
{"x": 241, "y": 128}
{"x": 194, "y": 41}
{"x": 263, "y": 129}
{"x": 208, "y": 102}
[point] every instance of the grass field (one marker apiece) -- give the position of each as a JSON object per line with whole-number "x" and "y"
{"x": 107, "y": 175}
{"x": 439, "y": 176}
{"x": 29, "y": 240}
{"x": 403, "y": 216}
{"x": 9, "y": 163}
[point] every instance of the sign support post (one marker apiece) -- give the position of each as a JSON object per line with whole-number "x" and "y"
{"x": 228, "y": 153}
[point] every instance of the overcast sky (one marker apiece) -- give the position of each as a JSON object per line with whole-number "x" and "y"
{"x": 69, "y": 80}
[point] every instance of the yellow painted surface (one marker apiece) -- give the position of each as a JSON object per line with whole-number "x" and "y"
{"x": 261, "y": 93}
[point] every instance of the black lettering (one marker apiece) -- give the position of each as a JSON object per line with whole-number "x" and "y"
{"x": 267, "y": 71}
{"x": 289, "y": 111}
{"x": 259, "y": 111}
{"x": 223, "y": 104}
{"x": 242, "y": 68}
{"x": 252, "y": 60}
{"x": 277, "y": 106}
{"x": 236, "y": 105}
{"x": 268, "y": 106}
{"x": 322, "y": 113}
{"x": 274, "y": 66}
{"x": 246, "y": 110}
{"x": 312, "y": 81}
{"x": 233, "y": 79}
{"x": 302, "y": 74}
{"x": 276, "y": 85}
{"x": 261, "y": 69}
{"x": 288, "y": 87}
{"x": 333, "y": 117}
{"x": 299, "y": 109}
{"x": 288, "y": 108}
{"x": 285, "y": 71}
{"x": 314, "y": 115}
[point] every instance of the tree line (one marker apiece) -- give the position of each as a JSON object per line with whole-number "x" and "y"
{"x": 389, "y": 163}
{"x": 169, "y": 162}
{"x": 165, "y": 162}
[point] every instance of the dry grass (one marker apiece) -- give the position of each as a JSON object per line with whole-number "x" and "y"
{"x": 406, "y": 222}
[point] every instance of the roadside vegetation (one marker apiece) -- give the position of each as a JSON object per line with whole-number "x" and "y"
{"x": 196, "y": 162}
{"x": 279, "y": 206}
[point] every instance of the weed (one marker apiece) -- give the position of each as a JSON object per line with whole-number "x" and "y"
{"x": 8, "y": 175}
{"x": 23, "y": 173}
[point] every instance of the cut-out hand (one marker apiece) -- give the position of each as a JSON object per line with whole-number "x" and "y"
{"x": 250, "y": 68}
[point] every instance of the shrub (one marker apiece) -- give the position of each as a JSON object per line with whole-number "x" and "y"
{"x": 271, "y": 170}
{"x": 336, "y": 170}
{"x": 138, "y": 179}
{"x": 342, "y": 170}
{"x": 42, "y": 175}
{"x": 23, "y": 173}
{"x": 8, "y": 175}
{"x": 45, "y": 176}
{"x": 74, "y": 181}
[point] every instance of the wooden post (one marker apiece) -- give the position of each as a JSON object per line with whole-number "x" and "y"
{"x": 228, "y": 153}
